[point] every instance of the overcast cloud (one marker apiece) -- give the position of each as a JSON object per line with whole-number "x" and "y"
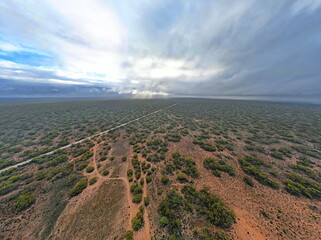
{"x": 158, "y": 47}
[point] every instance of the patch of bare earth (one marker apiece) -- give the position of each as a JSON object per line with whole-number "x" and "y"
{"x": 100, "y": 214}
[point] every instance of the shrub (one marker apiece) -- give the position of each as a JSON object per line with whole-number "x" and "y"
{"x": 106, "y": 172}
{"x": 209, "y": 205}
{"x": 129, "y": 172}
{"x": 138, "y": 220}
{"x": 24, "y": 201}
{"x": 297, "y": 185}
{"x": 171, "y": 208}
{"x": 148, "y": 179}
{"x": 137, "y": 198}
{"x": 249, "y": 165}
{"x": 72, "y": 178}
{"x": 79, "y": 187}
{"x": 90, "y": 169}
{"x": 164, "y": 221}
{"x": 165, "y": 179}
{"x": 146, "y": 201}
{"x": 81, "y": 166}
{"x": 7, "y": 187}
{"x": 248, "y": 181}
{"x": 142, "y": 181}
{"x": 207, "y": 234}
{"x": 218, "y": 165}
{"x": 129, "y": 235}
{"x": 182, "y": 177}
{"x": 92, "y": 181}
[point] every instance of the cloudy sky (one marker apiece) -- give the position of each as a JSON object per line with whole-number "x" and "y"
{"x": 157, "y": 47}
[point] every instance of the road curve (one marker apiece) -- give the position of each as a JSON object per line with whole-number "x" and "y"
{"x": 84, "y": 139}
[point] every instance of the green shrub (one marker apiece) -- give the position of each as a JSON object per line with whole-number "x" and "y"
{"x": 129, "y": 172}
{"x": 72, "y": 178}
{"x": 148, "y": 179}
{"x": 90, "y": 169}
{"x": 297, "y": 185}
{"x": 165, "y": 179}
{"x": 164, "y": 221}
{"x": 138, "y": 220}
{"x": 209, "y": 205}
{"x": 249, "y": 165}
{"x": 79, "y": 187}
{"x": 81, "y": 166}
{"x": 182, "y": 177}
{"x": 41, "y": 175}
{"x": 207, "y": 234}
{"x": 6, "y": 187}
{"x": 106, "y": 172}
{"x": 248, "y": 181}
{"x": 187, "y": 165}
{"x": 218, "y": 165}
{"x": 137, "y": 198}
{"x": 146, "y": 201}
{"x": 129, "y": 235}
{"x": 171, "y": 208}
{"x": 24, "y": 201}
{"x": 92, "y": 181}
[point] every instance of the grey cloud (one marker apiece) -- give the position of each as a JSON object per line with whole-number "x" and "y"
{"x": 263, "y": 48}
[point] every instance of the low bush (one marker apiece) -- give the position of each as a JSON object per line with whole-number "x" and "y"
{"x": 248, "y": 181}
{"x": 90, "y": 169}
{"x": 138, "y": 220}
{"x": 146, "y": 201}
{"x": 219, "y": 165}
{"x": 24, "y": 201}
{"x": 92, "y": 181}
{"x": 106, "y": 172}
{"x": 137, "y": 198}
{"x": 79, "y": 187}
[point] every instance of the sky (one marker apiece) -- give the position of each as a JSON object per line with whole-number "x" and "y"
{"x": 147, "y": 48}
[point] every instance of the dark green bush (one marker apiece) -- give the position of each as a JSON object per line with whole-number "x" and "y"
{"x": 106, "y": 172}
{"x": 138, "y": 220}
{"x": 219, "y": 165}
{"x": 92, "y": 181}
{"x": 90, "y": 169}
{"x": 79, "y": 187}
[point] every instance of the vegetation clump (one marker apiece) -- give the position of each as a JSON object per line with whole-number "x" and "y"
{"x": 92, "y": 181}
{"x": 208, "y": 234}
{"x": 248, "y": 181}
{"x": 90, "y": 169}
{"x": 209, "y": 205}
{"x": 219, "y": 165}
{"x": 24, "y": 201}
{"x": 297, "y": 185}
{"x": 79, "y": 187}
{"x": 187, "y": 165}
{"x": 138, "y": 220}
{"x": 106, "y": 172}
{"x": 249, "y": 165}
{"x": 206, "y": 146}
{"x": 171, "y": 208}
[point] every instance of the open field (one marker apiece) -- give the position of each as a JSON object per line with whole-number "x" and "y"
{"x": 201, "y": 169}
